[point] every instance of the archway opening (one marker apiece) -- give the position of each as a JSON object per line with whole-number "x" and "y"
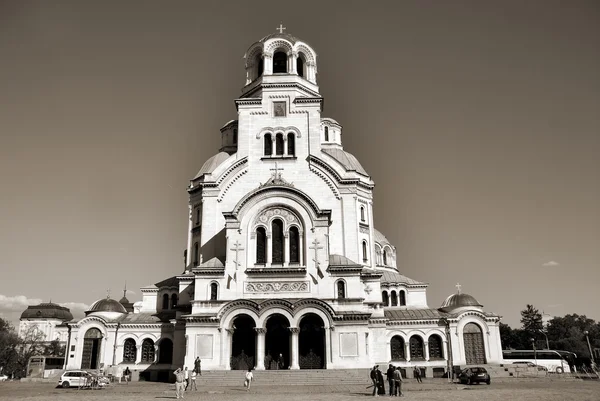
{"x": 243, "y": 343}
{"x": 90, "y": 357}
{"x": 279, "y": 62}
{"x": 311, "y": 342}
{"x": 277, "y": 342}
{"x": 474, "y": 345}
{"x": 165, "y": 351}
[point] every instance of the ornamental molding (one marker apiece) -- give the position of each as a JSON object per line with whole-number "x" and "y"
{"x": 325, "y": 177}
{"x": 274, "y": 287}
{"x": 267, "y": 216}
{"x": 275, "y": 130}
{"x": 230, "y": 184}
{"x": 279, "y": 96}
{"x": 259, "y": 113}
{"x": 272, "y": 45}
{"x": 364, "y": 230}
{"x": 234, "y": 168}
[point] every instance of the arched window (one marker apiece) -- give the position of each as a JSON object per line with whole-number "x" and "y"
{"x": 279, "y": 144}
{"x": 435, "y": 347}
{"x": 385, "y": 257}
{"x": 362, "y": 213}
{"x": 165, "y": 351}
{"x": 364, "y": 251}
{"x": 416, "y": 347}
{"x": 196, "y": 254}
{"x": 294, "y": 242}
{"x": 174, "y": 300}
{"x": 300, "y": 66}
{"x": 291, "y": 145}
{"x": 341, "y": 289}
{"x": 277, "y": 244}
{"x": 261, "y": 246}
{"x": 165, "y": 303}
{"x": 148, "y": 350}
{"x": 279, "y": 62}
{"x": 326, "y": 134}
{"x": 261, "y": 64}
{"x": 385, "y": 298}
{"x": 397, "y": 348}
{"x": 129, "y": 350}
{"x": 394, "y": 299}
{"x": 402, "y": 298}
{"x": 213, "y": 291}
{"x": 235, "y": 135}
{"x": 268, "y": 145}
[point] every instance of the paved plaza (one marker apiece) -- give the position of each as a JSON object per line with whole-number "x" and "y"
{"x": 514, "y": 389}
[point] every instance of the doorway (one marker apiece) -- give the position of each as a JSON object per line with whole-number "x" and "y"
{"x": 277, "y": 343}
{"x": 90, "y": 356}
{"x": 243, "y": 343}
{"x": 311, "y": 342}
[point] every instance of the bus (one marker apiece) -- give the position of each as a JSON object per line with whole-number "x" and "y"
{"x": 553, "y": 361}
{"x": 41, "y": 366}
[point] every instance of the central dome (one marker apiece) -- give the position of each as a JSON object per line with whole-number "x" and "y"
{"x": 47, "y": 311}
{"x": 456, "y": 301}
{"x": 106, "y": 305}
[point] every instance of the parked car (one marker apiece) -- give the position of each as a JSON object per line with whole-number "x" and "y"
{"x": 3, "y": 378}
{"x": 74, "y": 378}
{"x": 474, "y": 375}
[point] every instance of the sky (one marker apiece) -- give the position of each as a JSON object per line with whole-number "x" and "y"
{"x": 479, "y": 122}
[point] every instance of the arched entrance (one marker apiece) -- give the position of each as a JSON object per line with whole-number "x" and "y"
{"x": 165, "y": 351}
{"x": 474, "y": 346}
{"x": 277, "y": 343}
{"x": 311, "y": 342}
{"x": 90, "y": 356}
{"x": 243, "y": 343}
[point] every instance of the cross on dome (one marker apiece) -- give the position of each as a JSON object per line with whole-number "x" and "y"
{"x": 281, "y": 28}
{"x": 108, "y": 293}
{"x": 458, "y": 286}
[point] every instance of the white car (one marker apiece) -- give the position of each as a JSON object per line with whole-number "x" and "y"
{"x": 74, "y": 378}
{"x": 3, "y": 378}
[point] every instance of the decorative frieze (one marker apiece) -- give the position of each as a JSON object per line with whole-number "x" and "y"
{"x": 280, "y": 286}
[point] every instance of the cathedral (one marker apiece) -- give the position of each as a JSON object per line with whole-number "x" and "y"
{"x": 284, "y": 268}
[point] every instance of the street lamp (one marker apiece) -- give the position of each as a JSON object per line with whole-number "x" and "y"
{"x": 587, "y": 338}
{"x": 545, "y": 335}
{"x": 534, "y": 350}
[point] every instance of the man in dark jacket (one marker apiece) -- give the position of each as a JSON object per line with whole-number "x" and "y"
{"x": 390, "y": 378}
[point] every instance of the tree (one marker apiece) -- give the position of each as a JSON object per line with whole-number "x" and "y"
{"x": 54, "y": 348}
{"x": 9, "y": 348}
{"x": 531, "y": 321}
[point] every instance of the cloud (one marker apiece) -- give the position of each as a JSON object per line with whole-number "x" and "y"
{"x": 551, "y": 264}
{"x": 12, "y": 307}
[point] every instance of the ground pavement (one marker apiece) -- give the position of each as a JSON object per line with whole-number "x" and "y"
{"x": 432, "y": 389}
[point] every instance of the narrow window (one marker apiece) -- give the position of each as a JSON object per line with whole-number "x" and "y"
{"x": 235, "y": 135}
{"x": 260, "y": 66}
{"x": 394, "y": 299}
{"x": 384, "y": 257}
{"x": 300, "y": 66}
{"x": 165, "y": 303}
{"x": 385, "y": 298}
{"x": 341, "y": 289}
{"x": 213, "y": 291}
{"x": 198, "y": 216}
{"x": 362, "y": 213}
{"x": 279, "y": 144}
{"x": 279, "y": 62}
{"x": 196, "y": 254}
{"x": 277, "y": 244}
{"x": 364, "y": 251}
{"x": 268, "y": 145}
{"x": 402, "y": 298}
{"x": 291, "y": 145}
{"x": 326, "y": 134}
{"x": 148, "y": 350}
{"x": 261, "y": 246}
{"x": 294, "y": 241}
{"x": 174, "y": 300}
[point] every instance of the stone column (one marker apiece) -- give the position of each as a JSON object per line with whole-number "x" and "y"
{"x": 138, "y": 354}
{"x": 301, "y": 247}
{"x": 269, "y": 248}
{"x": 329, "y": 347}
{"x": 426, "y": 350}
{"x": 292, "y": 62}
{"x": 156, "y": 352}
{"x": 295, "y": 352}
{"x": 445, "y": 350}
{"x": 227, "y": 346}
{"x": 260, "y": 347}
{"x": 286, "y": 249}
{"x": 407, "y": 350}
{"x": 267, "y": 64}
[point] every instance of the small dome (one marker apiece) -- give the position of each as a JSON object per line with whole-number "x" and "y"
{"x": 211, "y": 164}
{"x": 456, "y": 301}
{"x": 380, "y": 238}
{"x": 47, "y": 311}
{"x": 106, "y": 305}
{"x": 277, "y": 35}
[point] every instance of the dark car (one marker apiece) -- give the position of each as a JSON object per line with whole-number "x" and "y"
{"x": 474, "y": 375}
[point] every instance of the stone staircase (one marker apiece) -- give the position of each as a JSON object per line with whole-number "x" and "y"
{"x": 308, "y": 377}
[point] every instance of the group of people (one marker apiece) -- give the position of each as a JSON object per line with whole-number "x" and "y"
{"x": 185, "y": 380}
{"x": 394, "y": 378}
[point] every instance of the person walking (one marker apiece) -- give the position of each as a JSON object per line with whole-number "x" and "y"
{"x": 248, "y": 379}
{"x": 390, "y": 378}
{"x": 198, "y": 365}
{"x": 127, "y": 375}
{"x": 398, "y": 383}
{"x": 380, "y": 382}
{"x": 417, "y": 373}
{"x": 373, "y": 376}
{"x": 186, "y": 377}
{"x": 193, "y": 380}
{"x": 179, "y": 383}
